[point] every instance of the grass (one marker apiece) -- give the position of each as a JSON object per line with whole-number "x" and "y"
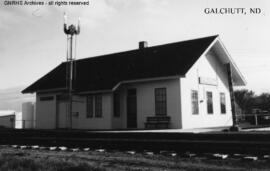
{"x": 37, "y": 160}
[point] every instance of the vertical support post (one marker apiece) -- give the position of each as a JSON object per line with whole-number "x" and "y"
{"x": 256, "y": 119}
{"x": 230, "y": 81}
{"x": 70, "y": 82}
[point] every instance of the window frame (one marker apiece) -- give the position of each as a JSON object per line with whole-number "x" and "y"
{"x": 195, "y": 102}
{"x": 98, "y": 106}
{"x": 161, "y": 101}
{"x": 116, "y": 104}
{"x": 222, "y": 103}
{"x": 46, "y": 98}
{"x": 94, "y": 106}
{"x": 90, "y": 106}
{"x": 210, "y": 110}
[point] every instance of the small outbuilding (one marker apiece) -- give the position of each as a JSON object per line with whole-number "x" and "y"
{"x": 7, "y": 119}
{"x": 178, "y": 85}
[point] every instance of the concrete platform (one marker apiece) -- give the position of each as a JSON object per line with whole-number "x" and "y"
{"x": 194, "y": 130}
{"x": 257, "y": 129}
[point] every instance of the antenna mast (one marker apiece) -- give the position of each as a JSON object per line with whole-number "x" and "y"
{"x": 70, "y": 31}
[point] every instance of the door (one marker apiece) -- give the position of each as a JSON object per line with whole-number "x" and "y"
{"x": 62, "y": 112}
{"x": 131, "y": 108}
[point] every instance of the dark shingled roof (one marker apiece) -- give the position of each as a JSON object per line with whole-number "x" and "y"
{"x": 104, "y": 72}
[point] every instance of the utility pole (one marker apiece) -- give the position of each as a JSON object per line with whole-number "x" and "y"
{"x": 70, "y": 31}
{"x": 230, "y": 81}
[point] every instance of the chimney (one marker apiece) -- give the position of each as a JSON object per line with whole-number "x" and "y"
{"x": 142, "y": 44}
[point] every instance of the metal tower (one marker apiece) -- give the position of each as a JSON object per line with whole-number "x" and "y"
{"x": 70, "y": 31}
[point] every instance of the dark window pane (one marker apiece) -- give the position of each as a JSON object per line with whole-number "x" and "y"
{"x": 194, "y": 102}
{"x": 98, "y": 106}
{"x": 46, "y": 98}
{"x": 89, "y": 107}
{"x": 209, "y": 102}
{"x": 116, "y": 104}
{"x": 160, "y": 101}
{"x": 222, "y": 103}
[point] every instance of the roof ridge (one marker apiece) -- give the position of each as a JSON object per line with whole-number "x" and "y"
{"x": 103, "y": 72}
{"x": 150, "y": 47}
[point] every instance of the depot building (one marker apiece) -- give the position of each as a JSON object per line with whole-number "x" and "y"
{"x": 176, "y": 86}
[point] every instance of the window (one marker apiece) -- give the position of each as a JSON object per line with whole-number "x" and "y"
{"x": 194, "y": 102}
{"x": 222, "y": 103}
{"x": 89, "y": 107}
{"x": 98, "y": 106}
{"x": 116, "y": 104}
{"x": 46, "y": 98}
{"x": 94, "y": 106}
{"x": 160, "y": 101}
{"x": 209, "y": 96}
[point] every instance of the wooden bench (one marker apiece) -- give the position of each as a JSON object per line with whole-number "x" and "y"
{"x": 157, "y": 122}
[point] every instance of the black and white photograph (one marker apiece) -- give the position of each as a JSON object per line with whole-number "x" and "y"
{"x": 137, "y": 85}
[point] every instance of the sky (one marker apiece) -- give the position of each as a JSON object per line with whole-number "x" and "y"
{"x": 33, "y": 42}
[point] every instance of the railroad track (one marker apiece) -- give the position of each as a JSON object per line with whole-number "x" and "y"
{"x": 187, "y": 154}
{"x": 222, "y": 142}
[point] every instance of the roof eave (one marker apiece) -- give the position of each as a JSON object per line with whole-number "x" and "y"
{"x": 240, "y": 81}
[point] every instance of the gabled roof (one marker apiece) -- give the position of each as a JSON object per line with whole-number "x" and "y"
{"x": 6, "y": 113}
{"x": 104, "y": 72}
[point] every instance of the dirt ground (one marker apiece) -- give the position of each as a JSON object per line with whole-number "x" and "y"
{"x": 35, "y": 160}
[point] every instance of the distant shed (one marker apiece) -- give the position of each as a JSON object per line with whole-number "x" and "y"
{"x": 7, "y": 119}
